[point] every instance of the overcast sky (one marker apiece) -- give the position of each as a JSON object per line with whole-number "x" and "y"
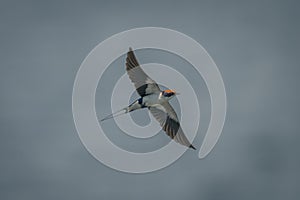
{"x": 256, "y": 47}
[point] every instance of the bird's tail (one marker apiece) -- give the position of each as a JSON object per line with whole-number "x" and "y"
{"x": 116, "y": 114}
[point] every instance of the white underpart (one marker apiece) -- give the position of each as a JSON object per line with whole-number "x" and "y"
{"x": 153, "y": 99}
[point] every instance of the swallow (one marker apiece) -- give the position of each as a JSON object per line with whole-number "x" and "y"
{"x": 154, "y": 99}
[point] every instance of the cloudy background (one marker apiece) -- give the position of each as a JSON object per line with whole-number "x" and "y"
{"x": 256, "y": 47}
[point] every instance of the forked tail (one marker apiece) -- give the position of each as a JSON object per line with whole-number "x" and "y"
{"x": 116, "y": 114}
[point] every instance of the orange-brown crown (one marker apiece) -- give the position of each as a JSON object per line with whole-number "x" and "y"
{"x": 169, "y": 91}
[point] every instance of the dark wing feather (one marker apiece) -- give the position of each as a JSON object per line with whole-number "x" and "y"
{"x": 166, "y": 116}
{"x": 143, "y": 83}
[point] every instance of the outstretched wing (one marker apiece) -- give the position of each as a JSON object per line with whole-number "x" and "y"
{"x": 143, "y": 83}
{"x": 166, "y": 116}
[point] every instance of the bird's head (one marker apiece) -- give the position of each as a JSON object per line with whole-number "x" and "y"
{"x": 168, "y": 94}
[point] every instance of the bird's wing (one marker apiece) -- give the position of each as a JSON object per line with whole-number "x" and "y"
{"x": 143, "y": 83}
{"x": 167, "y": 117}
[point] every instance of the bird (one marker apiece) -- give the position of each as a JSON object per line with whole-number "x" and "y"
{"x": 154, "y": 99}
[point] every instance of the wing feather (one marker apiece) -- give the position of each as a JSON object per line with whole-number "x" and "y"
{"x": 143, "y": 83}
{"x": 168, "y": 120}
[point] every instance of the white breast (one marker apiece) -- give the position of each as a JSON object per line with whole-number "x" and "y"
{"x": 151, "y": 99}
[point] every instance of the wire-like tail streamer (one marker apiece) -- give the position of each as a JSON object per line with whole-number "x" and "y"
{"x": 115, "y": 114}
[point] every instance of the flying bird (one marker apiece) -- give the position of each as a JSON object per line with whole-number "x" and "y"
{"x": 153, "y": 98}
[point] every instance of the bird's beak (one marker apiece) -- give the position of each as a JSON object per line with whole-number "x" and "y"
{"x": 177, "y": 93}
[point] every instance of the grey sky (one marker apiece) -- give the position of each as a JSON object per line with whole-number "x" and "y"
{"x": 256, "y": 47}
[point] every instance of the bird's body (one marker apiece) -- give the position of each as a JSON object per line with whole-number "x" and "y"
{"x": 154, "y": 99}
{"x": 151, "y": 100}
{"x": 147, "y": 101}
